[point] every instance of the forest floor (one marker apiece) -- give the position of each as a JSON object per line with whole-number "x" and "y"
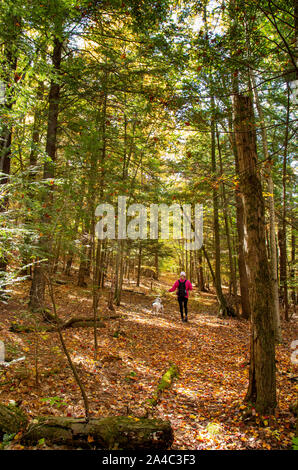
{"x": 204, "y": 404}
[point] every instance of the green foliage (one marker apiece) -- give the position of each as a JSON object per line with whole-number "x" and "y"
{"x": 131, "y": 376}
{"x": 134, "y": 118}
{"x": 6, "y": 440}
{"x": 54, "y": 401}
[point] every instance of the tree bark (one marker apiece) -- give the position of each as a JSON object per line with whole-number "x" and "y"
{"x": 273, "y": 257}
{"x": 283, "y": 233}
{"x": 243, "y": 281}
{"x": 235, "y": 33}
{"x": 293, "y": 261}
{"x": 262, "y": 385}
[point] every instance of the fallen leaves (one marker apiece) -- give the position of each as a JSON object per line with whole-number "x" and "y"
{"x": 205, "y": 404}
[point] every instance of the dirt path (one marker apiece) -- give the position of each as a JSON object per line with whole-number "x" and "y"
{"x": 204, "y": 404}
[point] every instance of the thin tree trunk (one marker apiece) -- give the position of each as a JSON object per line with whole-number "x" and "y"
{"x": 119, "y": 273}
{"x": 221, "y": 299}
{"x": 83, "y": 267}
{"x": 201, "y": 283}
{"x": 57, "y": 256}
{"x": 156, "y": 262}
{"x": 233, "y": 281}
{"x": 293, "y": 261}
{"x": 283, "y": 233}
{"x": 65, "y": 350}
{"x": 139, "y": 265}
{"x": 38, "y": 283}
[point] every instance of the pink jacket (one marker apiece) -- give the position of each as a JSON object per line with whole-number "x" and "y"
{"x": 188, "y": 287}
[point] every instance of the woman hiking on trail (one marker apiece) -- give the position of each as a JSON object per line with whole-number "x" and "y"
{"x": 183, "y": 286}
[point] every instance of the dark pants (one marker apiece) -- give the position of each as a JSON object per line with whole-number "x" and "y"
{"x": 183, "y": 301}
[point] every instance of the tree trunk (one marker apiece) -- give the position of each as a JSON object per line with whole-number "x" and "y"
{"x": 119, "y": 272}
{"x": 38, "y": 284}
{"x": 221, "y": 299}
{"x": 235, "y": 32}
{"x": 262, "y": 386}
{"x": 243, "y": 281}
{"x": 9, "y": 66}
{"x": 283, "y": 234}
{"x": 233, "y": 281}
{"x": 293, "y": 261}
{"x": 283, "y": 270}
{"x": 273, "y": 257}
{"x": 83, "y": 267}
{"x": 201, "y": 283}
{"x": 139, "y": 264}
{"x": 37, "y": 123}
{"x": 156, "y": 262}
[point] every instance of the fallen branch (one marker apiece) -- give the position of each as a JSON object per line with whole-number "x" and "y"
{"x": 8, "y": 363}
{"x": 165, "y": 382}
{"x": 65, "y": 350}
{"x": 133, "y": 291}
{"x": 76, "y": 322}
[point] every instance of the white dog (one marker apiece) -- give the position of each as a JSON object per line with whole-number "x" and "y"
{"x": 157, "y": 306}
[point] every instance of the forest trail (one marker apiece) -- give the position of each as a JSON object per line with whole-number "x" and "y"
{"x": 204, "y": 404}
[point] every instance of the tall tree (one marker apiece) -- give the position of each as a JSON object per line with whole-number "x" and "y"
{"x": 262, "y": 384}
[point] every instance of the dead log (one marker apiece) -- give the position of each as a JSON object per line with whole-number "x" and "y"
{"x": 79, "y": 322}
{"x": 61, "y": 282}
{"x": 116, "y": 432}
{"x": 12, "y": 420}
{"x": 76, "y": 322}
{"x": 133, "y": 291}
